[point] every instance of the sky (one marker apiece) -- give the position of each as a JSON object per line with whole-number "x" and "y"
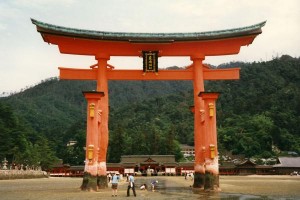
{"x": 26, "y": 60}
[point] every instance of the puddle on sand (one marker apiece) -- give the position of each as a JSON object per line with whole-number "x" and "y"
{"x": 182, "y": 193}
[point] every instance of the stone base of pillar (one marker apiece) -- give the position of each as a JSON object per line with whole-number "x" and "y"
{"x": 89, "y": 182}
{"x": 211, "y": 182}
{"x": 199, "y": 180}
{"x": 102, "y": 182}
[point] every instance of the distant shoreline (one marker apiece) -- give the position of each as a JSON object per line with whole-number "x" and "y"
{"x": 22, "y": 174}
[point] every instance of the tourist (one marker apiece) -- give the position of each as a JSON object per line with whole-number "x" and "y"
{"x": 114, "y": 184}
{"x": 192, "y": 176}
{"x": 109, "y": 177}
{"x": 144, "y": 186}
{"x": 131, "y": 185}
{"x": 153, "y": 184}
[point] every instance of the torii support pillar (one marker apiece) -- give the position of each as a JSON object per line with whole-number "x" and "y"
{"x": 210, "y": 149}
{"x": 90, "y": 178}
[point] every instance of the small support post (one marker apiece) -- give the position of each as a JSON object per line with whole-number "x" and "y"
{"x": 211, "y": 154}
{"x": 91, "y": 156}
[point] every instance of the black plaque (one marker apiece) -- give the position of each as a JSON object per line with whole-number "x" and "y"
{"x": 150, "y": 61}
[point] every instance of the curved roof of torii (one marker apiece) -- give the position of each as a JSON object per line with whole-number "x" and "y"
{"x": 89, "y": 42}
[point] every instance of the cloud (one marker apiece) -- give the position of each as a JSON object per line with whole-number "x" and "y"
{"x": 22, "y": 49}
{"x": 37, "y": 4}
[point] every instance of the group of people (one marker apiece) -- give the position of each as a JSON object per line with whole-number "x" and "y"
{"x": 153, "y": 185}
{"x": 114, "y": 179}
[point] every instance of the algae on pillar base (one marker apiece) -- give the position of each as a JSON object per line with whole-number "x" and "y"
{"x": 199, "y": 180}
{"x": 102, "y": 182}
{"x": 211, "y": 182}
{"x": 89, "y": 182}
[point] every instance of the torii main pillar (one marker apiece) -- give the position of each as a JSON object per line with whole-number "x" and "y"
{"x": 199, "y": 131}
{"x": 196, "y": 45}
{"x": 102, "y": 85}
{"x": 90, "y": 179}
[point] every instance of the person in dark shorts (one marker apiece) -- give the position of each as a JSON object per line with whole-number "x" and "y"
{"x": 114, "y": 185}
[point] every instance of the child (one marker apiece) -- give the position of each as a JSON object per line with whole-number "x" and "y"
{"x": 143, "y": 187}
{"x": 153, "y": 183}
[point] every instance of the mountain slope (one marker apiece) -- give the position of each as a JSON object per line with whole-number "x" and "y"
{"x": 255, "y": 114}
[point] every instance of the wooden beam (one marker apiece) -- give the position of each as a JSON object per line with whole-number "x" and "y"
{"x": 222, "y": 74}
{"x": 140, "y": 75}
{"x": 91, "y": 74}
{"x": 77, "y": 74}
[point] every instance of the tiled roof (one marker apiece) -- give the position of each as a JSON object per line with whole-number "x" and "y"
{"x": 246, "y": 162}
{"x": 185, "y": 146}
{"x": 147, "y": 158}
{"x": 288, "y": 162}
{"x": 43, "y": 27}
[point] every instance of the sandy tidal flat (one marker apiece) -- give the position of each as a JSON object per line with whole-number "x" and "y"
{"x": 232, "y": 187}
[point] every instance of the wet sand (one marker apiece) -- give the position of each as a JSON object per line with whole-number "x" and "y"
{"x": 232, "y": 187}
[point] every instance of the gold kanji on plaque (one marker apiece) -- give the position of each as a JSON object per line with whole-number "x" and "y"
{"x": 150, "y": 61}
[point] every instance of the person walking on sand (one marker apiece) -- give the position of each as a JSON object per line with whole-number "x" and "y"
{"x": 114, "y": 185}
{"x": 131, "y": 185}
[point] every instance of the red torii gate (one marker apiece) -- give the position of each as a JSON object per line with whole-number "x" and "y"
{"x": 195, "y": 45}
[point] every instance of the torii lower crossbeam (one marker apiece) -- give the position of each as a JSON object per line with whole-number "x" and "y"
{"x": 91, "y": 74}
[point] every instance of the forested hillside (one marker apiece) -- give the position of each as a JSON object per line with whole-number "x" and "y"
{"x": 257, "y": 115}
{"x": 261, "y": 109}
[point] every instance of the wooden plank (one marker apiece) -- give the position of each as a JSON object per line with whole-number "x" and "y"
{"x": 91, "y": 74}
{"x": 140, "y": 75}
{"x": 222, "y": 74}
{"x": 77, "y": 74}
